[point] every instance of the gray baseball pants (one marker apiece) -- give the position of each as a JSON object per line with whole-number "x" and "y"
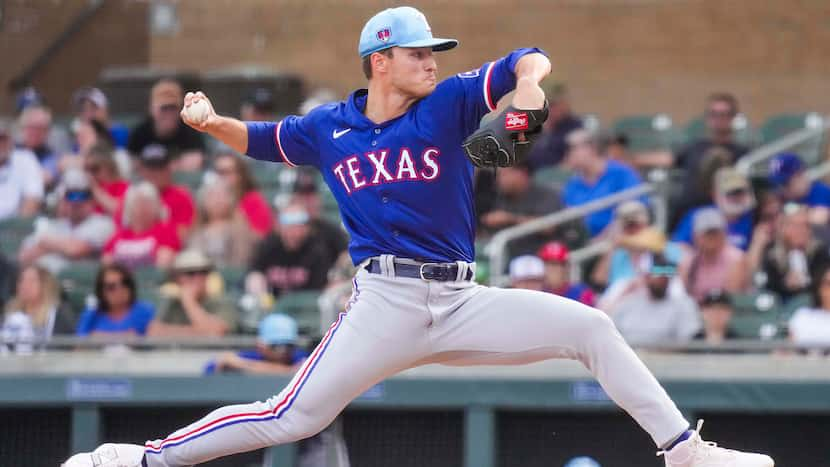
{"x": 394, "y": 323}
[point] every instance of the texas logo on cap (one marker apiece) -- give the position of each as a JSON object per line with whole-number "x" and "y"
{"x": 384, "y": 34}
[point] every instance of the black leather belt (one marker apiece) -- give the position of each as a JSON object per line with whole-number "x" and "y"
{"x": 442, "y": 272}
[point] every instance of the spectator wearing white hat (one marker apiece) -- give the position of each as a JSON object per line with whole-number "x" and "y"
{"x": 77, "y": 233}
{"x": 190, "y": 310}
{"x": 527, "y": 272}
{"x": 21, "y": 183}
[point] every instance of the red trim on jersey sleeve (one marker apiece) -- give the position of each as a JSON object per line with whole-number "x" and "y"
{"x": 488, "y": 97}
{"x": 279, "y": 145}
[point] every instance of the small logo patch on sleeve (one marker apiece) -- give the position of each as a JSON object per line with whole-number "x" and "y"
{"x": 515, "y": 121}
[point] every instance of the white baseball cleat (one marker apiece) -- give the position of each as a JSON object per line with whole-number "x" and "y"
{"x": 108, "y": 455}
{"x": 694, "y": 452}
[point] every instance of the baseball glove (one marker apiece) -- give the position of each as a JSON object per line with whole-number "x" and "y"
{"x": 498, "y": 142}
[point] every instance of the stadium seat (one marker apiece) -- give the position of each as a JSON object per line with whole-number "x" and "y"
{"x": 12, "y": 233}
{"x": 744, "y": 133}
{"x": 756, "y": 315}
{"x": 646, "y": 132}
{"x": 302, "y": 305}
{"x": 234, "y": 278}
{"x": 192, "y": 180}
{"x": 78, "y": 284}
{"x": 781, "y": 125}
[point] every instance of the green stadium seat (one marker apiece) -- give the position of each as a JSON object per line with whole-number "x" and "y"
{"x": 552, "y": 176}
{"x": 302, "y": 306}
{"x": 234, "y": 277}
{"x": 646, "y": 132}
{"x": 756, "y": 315}
{"x": 77, "y": 282}
{"x": 12, "y": 233}
{"x": 781, "y": 125}
{"x": 192, "y": 180}
{"x": 744, "y": 133}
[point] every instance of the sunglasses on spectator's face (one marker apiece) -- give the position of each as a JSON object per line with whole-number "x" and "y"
{"x": 197, "y": 273}
{"x": 225, "y": 170}
{"x": 169, "y": 108}
{"x": 632, "y": 225}
{"x": 719, "y": 113}
{"x": 78, "y": 196}
{"x": 736, "y": 193}
{"x": 115, "y": 285}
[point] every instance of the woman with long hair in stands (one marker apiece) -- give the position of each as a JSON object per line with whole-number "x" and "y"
{"x": 34, "y": 314}
{"x": 255, "y": 208}
{"x": 118, "y": 310}
{"x": 222, "y": 235}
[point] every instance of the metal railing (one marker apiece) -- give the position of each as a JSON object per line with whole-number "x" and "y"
{"x": 785, "y": 143}
{"x": 497, "y": 248}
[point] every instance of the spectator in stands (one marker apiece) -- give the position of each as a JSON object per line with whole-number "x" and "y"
{"x": 164, "y": 126}
{"x": 811, "y": 325}
{"x": 21, "y": 182}
{"x": 108, "y": 187}
{"x": 653, "y": 308}
{"x": 77, "y": 232}
{"x": 634, "y": 242}
{"x": 794, "y": 254}
{"x": 716, "y": 310}
{"x": 714, "y": 263}
{"x": 222, "y": 235}
{"x": 190, "y": 310}
{"x": 557, "y": 274}
{"x": 35, "y": 123}
{"x": 35, "y": 314}
{"x": 596, "y": 177}
{"x": 292, "y": 257}
{"x": 518, "y": 200}
{"x": 143, "y": 238}
{"x": 735, "y": 200}
{"x": 550, "y": 148}
{"x": 787, "y": 173}
{"x": 92, "y": 133}
{"x": 258, "y": 106}
{"x": 277, "y": 350}
{"x": 118, "y": 310}
{"x": 307, "y": 194}
{"x": 257, "y": 211}
{"x": 155, "y": 167}
{"x": 92, "y": 104}
{"x": 700, "y": 158}
{"x": 527, "y": 272}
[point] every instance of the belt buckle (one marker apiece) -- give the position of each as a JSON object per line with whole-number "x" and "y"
{"x": 421, "y": 271}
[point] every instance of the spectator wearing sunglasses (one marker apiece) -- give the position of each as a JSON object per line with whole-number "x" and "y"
{"x": 77, "y": 233}
{"x": 735, "y": 200}
{"x": 108, "y": 187}
{"x": 163, "y": 126}
{"x": 117, "y": 311}
{"x": 190, "y": 310}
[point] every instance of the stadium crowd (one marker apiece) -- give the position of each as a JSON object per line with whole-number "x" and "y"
{"x": 156, "y": 230}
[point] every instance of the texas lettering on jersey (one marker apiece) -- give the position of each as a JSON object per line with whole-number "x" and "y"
{"x": 385, "y": 169}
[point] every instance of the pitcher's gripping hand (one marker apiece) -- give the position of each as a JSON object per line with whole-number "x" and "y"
{"x": 198, "y": 112}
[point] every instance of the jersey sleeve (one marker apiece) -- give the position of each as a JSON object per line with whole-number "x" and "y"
{"x": 484, "y": 87}
{"x": 290, "y": 140}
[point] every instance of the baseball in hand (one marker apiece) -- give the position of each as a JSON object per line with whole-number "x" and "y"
{"x": 197, "y": 112}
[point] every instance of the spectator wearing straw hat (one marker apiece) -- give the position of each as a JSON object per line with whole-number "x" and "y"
{"x": 191, "y": 311}
{"x": 557, "y": 274}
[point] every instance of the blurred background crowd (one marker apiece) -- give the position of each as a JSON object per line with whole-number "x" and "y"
{"x": 153, "y": 229}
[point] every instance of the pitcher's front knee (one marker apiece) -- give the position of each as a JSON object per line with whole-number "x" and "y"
{"x": 297, "y": 425}
{"x": 597, "y": 324}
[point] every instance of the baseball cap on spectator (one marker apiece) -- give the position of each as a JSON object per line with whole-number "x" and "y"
{"x": 661, "y": 266}
{"x": 75, "y": 185}
{"x": 28, "y": 97}
{"x": 728, "y": 180}
{"x": 399, "y": 27}
{"x": 262, "y": 100}
{"x": 90, "y": 94}
{"x": 165, "y": 93}
{"x": 155, "y": 155}
{"x": 582, "y": 461}
{"x": 708, "y": 219}
{"x": 526, "y": 267}
{"x": 783, "y": 167}
{"x": 716, "y": 297}
{"x": 632, "y": 212}
{"x": 555, "y": 252}
{"x": 191, "y": 261}
{"x": 278, "y": 329}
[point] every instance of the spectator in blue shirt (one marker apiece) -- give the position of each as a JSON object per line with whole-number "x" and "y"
{"x": 787, "y": 174}
{"x": 277, "y": 350}
{"x": 735, "y": 200}
{"x": 596, "y": 177}
{"x": 118, "y": 311}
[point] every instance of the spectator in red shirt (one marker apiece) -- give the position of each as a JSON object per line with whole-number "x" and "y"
{"x": 108, "y": 188}
{"x": 144, "y": 238}
{"x": 154, "y": 166}
{"x": 256, "y": 210}
{"x": 557, "y": 274}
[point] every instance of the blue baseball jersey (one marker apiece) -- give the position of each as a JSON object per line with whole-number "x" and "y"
{"x": 404, "y": 186}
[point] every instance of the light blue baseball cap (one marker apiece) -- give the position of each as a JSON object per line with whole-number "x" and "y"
{"x": 399, "y": 27}
{"x": 278, "y": 329}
